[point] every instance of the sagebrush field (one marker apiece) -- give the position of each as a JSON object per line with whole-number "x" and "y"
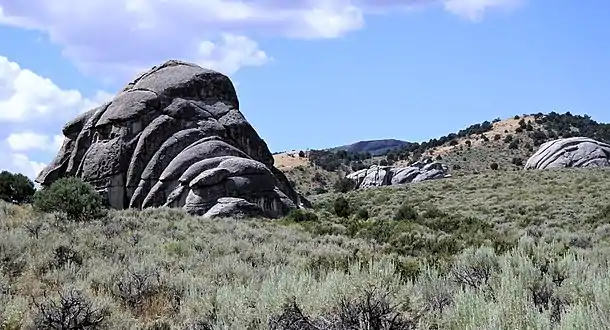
{"x": 499, "y": 250}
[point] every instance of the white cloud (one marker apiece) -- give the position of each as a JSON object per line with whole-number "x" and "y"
{"x": 125, "y": 36}
{"x": 25, "y": 96}
{"x": 32, "y": 110}
{"x": 25, "y": 141}
{"x": 21, "y": 163}
{"x": 231, "y": 54}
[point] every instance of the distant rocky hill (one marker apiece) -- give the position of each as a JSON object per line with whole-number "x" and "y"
{"x": 497, "y": 145}
{"x": 374, "y": 147}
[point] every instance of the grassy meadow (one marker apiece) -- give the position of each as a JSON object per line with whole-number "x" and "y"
{"x": 498, "y": 250}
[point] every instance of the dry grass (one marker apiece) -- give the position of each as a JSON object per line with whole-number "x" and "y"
{"x": 163, "y": 269}
{"x": 291, "y": 159}
{"x": 310, "y": 180}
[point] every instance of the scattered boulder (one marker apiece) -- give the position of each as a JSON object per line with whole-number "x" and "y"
{"x": 570, "y": 152}
{"x": 175, "y": 137}
{"x": 376, "y": 176}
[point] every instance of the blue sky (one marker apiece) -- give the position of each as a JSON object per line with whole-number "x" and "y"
{"x": 310, "y": 74}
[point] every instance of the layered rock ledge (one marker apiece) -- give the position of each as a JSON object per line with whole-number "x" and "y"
{"x": 376, "y": 176}
{"x": 570, "y": 152}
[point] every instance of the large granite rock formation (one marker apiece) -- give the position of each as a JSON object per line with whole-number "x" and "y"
{"x": 376, "y": 176}
{"x": 570, "y": 152}
{"x": 175, "y": 137}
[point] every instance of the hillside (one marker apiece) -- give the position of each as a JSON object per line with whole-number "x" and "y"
{"x": 507, "y": 143}
{"x": 373, "y": 147}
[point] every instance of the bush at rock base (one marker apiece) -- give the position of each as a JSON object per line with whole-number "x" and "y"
{"x": 72, "y": 197}
{"x": 16, "y": 188}
{"x": 300, "y": 215}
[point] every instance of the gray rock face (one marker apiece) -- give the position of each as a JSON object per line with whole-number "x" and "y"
{"x": 570, "y": 152}
{"x": 376, "y": 176}
{"x": 175, "y": 137}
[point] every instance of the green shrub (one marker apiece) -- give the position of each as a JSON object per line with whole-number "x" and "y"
{"x": 16, "y": 188}
{"x": 341, "y": 207}
{"x": 300, "y": 215}
{"x": 344, "y": 185}
{"x": 74, "y": 198}
{"x": 406, "y": 212}
{"x": 494, "y": 166}
{"x": 362, "y": 214}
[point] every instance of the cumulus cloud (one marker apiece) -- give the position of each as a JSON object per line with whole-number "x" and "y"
{"x": 21, "y": 163}
{"x": 26, "y": 96}
{"x": 125, "y": 36}
{"x": 32, "y": 112}
{"x": 25, "y": 141}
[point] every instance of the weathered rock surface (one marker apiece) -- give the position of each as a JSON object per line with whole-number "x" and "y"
{"x": 570, "y": 152}
{"x": 376, "y": 176}
{"x": 175, "y": 137}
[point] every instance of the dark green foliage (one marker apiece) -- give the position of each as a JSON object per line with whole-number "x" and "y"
{"x": 358, "y": 165}
{"x": 514, "y": 144}
{"x": 497, "y": 137}
{"x": 344, "y": 185}
{"x": 494, "y": 166}
{"x": 453, "y": 143}
{"x": 341, "y": 207}
{"x": 586, "y": 127}
{"x": 320, "y": 190}
{"x": 16, "y": 188}
{"x": 508, "y": 139}
{"x": 73, "y": 197}
{"x": 332, "y": 161}
{"x": 362, "y": 214}
{"x": 301, "y": 154}
{"x": 516, "y": 117}
{"x": 539, "y": 137}
{"x": 468, "y": 143}
{"x": 517, "y": 161}
{"x": 325, "y": 159}
{"x": 406, "y": 212}
{"x": 300, "y": 215}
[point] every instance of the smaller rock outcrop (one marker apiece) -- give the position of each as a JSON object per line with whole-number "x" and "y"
{"x": 376, "y": 176}
{"x": 570, "y": 152}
